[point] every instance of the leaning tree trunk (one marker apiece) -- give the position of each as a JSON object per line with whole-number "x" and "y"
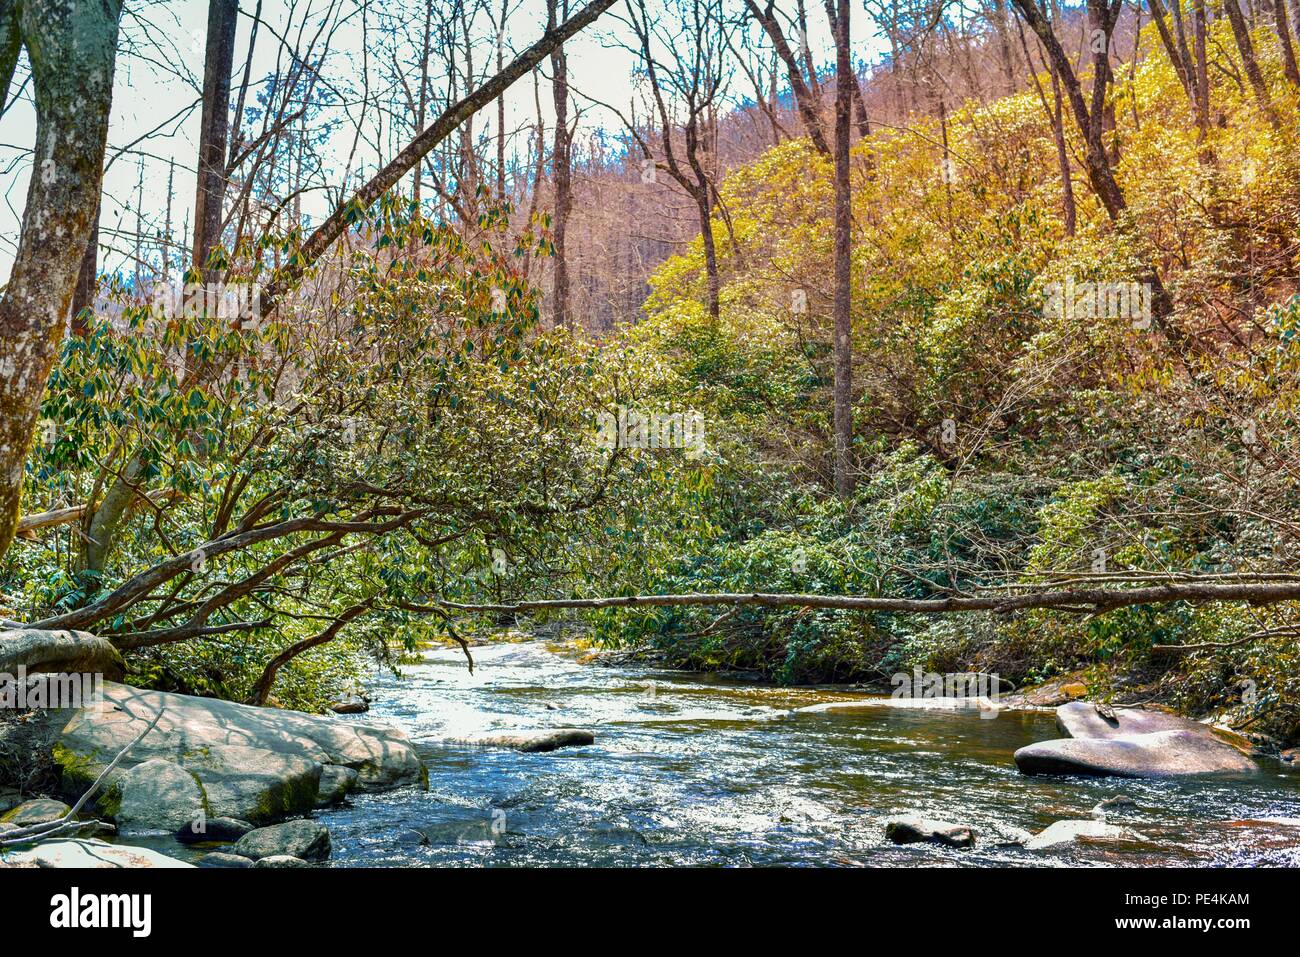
{"x": 72, "y": 46}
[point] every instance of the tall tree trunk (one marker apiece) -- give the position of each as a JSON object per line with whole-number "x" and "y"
{"x": 1199, "y": 30}
{"x": 838, "y": 11}
{"x": 209, "y": 196}
{"x": 223, "y": 16}
{"x": 422, "y": 101}
{"x": 1069, "y": 212}
{"x": 1281, "y": 18}
{"x": 1175, "y": 46}
{"x": 804, "y": 98}
{"x": 560, "y": 90}
{"x": 72, "y": 48}
{"x": 1241, "y": 34}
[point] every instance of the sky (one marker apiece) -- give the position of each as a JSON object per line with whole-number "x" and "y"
{"x": 155, "y": 116}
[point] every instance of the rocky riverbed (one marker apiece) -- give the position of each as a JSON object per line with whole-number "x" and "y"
{"x": 537, "y": 759}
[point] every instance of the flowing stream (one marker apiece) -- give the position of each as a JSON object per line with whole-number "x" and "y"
{"x": 692, "y": 769}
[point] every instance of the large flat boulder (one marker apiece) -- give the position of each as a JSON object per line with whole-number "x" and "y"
{"x": 255, "y": 764}
{"x": 89, "y": 853}
{"x": 1158, "y": 754}
{"x": 1083, "y": 719}
{"x": 38, "y": 811}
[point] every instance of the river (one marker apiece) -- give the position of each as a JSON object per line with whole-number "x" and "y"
{"x": 692, "y": 769}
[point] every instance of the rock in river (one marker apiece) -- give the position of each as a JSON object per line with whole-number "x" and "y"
{"x": 335, "y": 784}
{"x": 280, "y": 860}
{"x": 217, "y": 859}
{"x": 915, "y": 830}
{"x": 544, "y": 739}
{"x": 1134, "y": 743}
{"x": 223, "y": 830}
{"x": 158, "y": 795}
{"x": 90, "y": 853}
{"x": 305, "y": 839}
{"x": 1065, "y": 832}
{"x": 255, "y": 764}
{"x": 1161, "y": 754}
{"x": 39, "y": 811}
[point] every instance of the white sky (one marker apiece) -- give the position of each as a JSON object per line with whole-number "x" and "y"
{"x": 169, "y": 37}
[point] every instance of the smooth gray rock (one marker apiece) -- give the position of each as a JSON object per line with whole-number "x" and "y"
{"x": 918, "y": 830}
{"x": 38, "y": 811}
{"x": 353, "y": 705}
{"x": 217, "y": 859}
{"x": 1066, "y": 832}
{"x": 544, "y": 739}
{"x": 1081, "y": 719}
{"x": 256, "y": 764}
{"x": 158, "y": 795}
{"x": 213, "y": 830}
{"x": 10, "y": 798}
{"x": 302, "y": 838}
{"x": 281, "y": 860}
{"x": 1160, "y": 754}
{"x": 336, "y": 782}
{"x": 91, "y": 853}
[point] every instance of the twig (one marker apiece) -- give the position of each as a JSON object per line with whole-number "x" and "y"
{"x": 37, "y": 832}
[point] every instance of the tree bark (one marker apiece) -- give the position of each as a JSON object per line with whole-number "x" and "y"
{"x": 804, "y": 98}
{"x": 1241, "y": 34}
{"x": 83, "y": 297}
{"x": 214, "y": 129}
{"x": 560, "y": 162}
{"x": 1281, "y": 18}
{"x": 838, "y": 12}
{"x": 72, "y": 46}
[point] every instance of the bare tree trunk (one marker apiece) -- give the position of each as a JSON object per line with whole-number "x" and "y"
{"x": 1281, "y": 18}
{"x": 72, "y": 47}
{"x": 1175, "y": 47}
{"x": 422, "y": 101}
{"x": 210, "y": 193}
{"x": 1241, "y": 34}
{"x": 804, "y": 98}
{"x": 561, "y": 163}
{"x": 838, "y": 12}
{"x": 1068, "y": 210}
{"x": 1202, "y": 68}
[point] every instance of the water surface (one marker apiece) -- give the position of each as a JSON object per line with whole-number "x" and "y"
{"x": 692, "y": 769}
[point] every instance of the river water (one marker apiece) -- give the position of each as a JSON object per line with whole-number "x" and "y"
{"x": 692, "y": 769}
